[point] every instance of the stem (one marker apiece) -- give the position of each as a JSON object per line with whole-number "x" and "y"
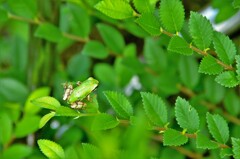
{"x": 201, "y": 52}
{"x": 210, "y": 106}
{"x": 179, "y": 149}
{"x": 75, "y": 38}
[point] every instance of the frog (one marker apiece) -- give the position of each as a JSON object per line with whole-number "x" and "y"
{"x": 78, "y": 96}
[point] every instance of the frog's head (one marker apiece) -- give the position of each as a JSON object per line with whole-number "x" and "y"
{"x": 94, "y": 81}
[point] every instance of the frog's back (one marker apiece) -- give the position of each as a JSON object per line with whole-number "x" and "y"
{"x": 83, "y": 90}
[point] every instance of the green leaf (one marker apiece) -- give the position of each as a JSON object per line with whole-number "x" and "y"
{"x": 210, "y": 66}
{"x": 95, "y": 49}
{"x": 3, "y": 15}
{"x": 17, "y": 151}
{"x": 67, "y": 111}
{"x": 120, "y": 104}
{"x": 5, "y": 128}
{"x": 227, "y": 79}
{"x": 51, "y": 149}
{"x": 91, "y": 151}
{"x": 105, "y": 74}
{"x": 48, "y": 32}
{"x": 27, "y": 125}
{"x": 117, "y": 9}
{"x": 47, "y": 102}
{"x": 188, "y": 69}
{"x": 236, "y": 148}
{"x": 80, "y": 23}
{"x": 24, "y": 8}
{"x": 155, "y": 108}
{"x": 204, "y": 142}
{"x": 173, "y": 137}
{"x": 112, "y": 38}
{"x": 143, "y": 6}
{"x": 238, "y": 66}
{"x": 218, "y": 127}
{"x": 150, "y": 23}
{"x": 232, "y": 102}
{"x": 236, "y": 3}
{"x": 104, "y": 122}
{"x": 134, "y": 64}
{"x": 201, "y": 30}
{"x": 13, "y": 90}
{"x": 179, "y": 45}
{"x": 225, "y": 152}
{"x": 224, "y": 47}
{"x": 78, "y": 67}
{"x": 172, "y": 15}
{"x": 154, "y": 55}
{"x": 213, "y": 91}
{"x": 29, "y": 107}
{"x": 45, "y": 119}
{"x": 187, "y": 116}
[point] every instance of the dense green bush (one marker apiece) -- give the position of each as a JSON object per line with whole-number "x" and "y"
{"x": 168, "y": 83}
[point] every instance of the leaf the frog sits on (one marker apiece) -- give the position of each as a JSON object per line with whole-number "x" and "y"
{"x": 76, "y": 96}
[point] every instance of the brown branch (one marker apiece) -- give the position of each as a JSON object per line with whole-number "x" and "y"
{"x": 207, "y": 104}
{"x": 182, "y": 150}
{"x": 201, "y": 52}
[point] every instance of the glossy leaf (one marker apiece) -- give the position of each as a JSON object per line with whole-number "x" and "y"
{"x": 154, "y": 55}
{"x": 187, "y": 116}
{"x": 150, "y": 23}
{"x": 236, "y": 147}
{"x": 48, "y": 32}
{"x": 17, "y": 151}
{"x": 112, "y": 38}
{"x": 13, "y": 90}
{"x": 25, "y": 8}
{"x": 232, "y": 102}
{"x": 45, "y": 119}
{"x": 95, "y": 49}
{"x": 172, "y": 15}
{"x": 213, "y": 91}
{"x": 81, "y": 22}
{"x": 179, "y": 45}
{"x": 47, "y": 102}
{"x": 91, "y": 151}
{"x": 201, "y": 30}
{"x": 224, "y": 47}
{"x": 5, "y": 128}
{"x": 210, "y": 66}
{"x": 117, "y": 9}
{"x": 67, "y": 111}
{"x": 51, "y": 149}
{"x": 104, "y": 122}
{"x": 236, "y": 3}
{"x": 120, "y": 104}
{"x": 27, "y": 125}
{"x": 203, "y": 142}
{"x": 227, "y": 79}
{"x": 218, "y": 127}
{"x": 155, "y": 108}
{"x": 173, "y": 137}
{"x": 188, "y": 69}
{"x": 29, "y": 107}
{"x": 226, "y": 152}
{"x": 143, "y": 6}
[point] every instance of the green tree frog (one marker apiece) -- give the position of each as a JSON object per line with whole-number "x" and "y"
{"x": 78, "y": 95}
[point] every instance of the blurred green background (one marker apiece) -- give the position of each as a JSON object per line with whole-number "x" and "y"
{"x": 44, "y": 43}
